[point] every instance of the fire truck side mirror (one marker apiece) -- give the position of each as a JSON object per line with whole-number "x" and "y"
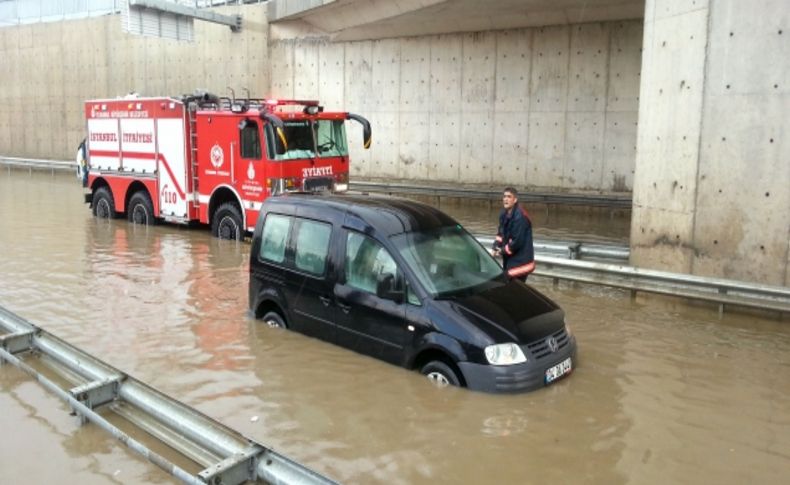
{"x": 280, "y": 142}
{"x": 366, "y": 131}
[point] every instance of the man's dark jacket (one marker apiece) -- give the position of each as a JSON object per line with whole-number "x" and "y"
{"x": 514, "y": 238}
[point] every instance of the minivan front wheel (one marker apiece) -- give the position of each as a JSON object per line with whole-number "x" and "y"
{"x": 440, "y": 374}
{"x": 274, "y": 320}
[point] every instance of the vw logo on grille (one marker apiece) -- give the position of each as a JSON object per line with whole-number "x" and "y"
{"x": 552, "y": 343}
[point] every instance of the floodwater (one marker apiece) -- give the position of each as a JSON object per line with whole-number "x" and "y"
{"x": 664, "y": 392}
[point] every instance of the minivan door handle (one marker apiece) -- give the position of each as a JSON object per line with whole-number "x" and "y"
{"x": 325, "y": 300}
{"x": 344, "y": 307}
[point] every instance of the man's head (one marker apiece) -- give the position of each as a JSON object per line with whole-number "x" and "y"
{"x": 509, "y": 198}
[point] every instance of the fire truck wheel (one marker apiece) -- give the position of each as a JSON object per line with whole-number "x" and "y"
{"x": 273, "y": 319}
{"x": 103, "y": 204}
{"x": 226, "y": 223}
{"x": 141, "y": 210}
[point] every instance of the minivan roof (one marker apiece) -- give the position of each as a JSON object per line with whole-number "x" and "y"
{"x": 387, "y": 215}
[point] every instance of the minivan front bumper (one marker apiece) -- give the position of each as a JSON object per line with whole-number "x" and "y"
{"x": 514, "y": 378}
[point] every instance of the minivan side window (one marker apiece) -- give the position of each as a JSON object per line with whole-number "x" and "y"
{"x": 366, "y": 259}
{"x": 274, "y": 238}
{"x": 312, "y": 245}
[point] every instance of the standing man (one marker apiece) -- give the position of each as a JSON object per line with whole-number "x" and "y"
{"x": 514, "y": 237}
{"x": 82, "y": 163}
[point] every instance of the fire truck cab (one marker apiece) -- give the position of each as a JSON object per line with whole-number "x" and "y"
{"x": 210, "y": 160}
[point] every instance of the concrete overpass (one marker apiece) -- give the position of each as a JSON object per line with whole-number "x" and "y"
{"x": 347, "y": 20}
{"x": 683, "y": 103}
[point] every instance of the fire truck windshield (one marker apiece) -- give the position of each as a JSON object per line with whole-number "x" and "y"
{"x": 326, "y": 138}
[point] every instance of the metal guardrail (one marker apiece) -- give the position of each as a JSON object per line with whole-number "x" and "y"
{"x": 228, "y": 457}
{"x": 36, "y": 164}
{"x": 724, "y": 292}
{"x": 598, "y": 264}
{"x": 572, "y": 249}
{"x": 621, "y": 202}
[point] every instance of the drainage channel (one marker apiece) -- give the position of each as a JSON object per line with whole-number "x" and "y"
{"x": 227, "y": 457}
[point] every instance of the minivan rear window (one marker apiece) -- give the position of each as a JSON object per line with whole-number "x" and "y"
{"x": 275, "y": 235}
{"x": 312, "y": 245}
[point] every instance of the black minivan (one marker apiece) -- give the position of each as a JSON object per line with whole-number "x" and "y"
{"x": 404, "y": 282}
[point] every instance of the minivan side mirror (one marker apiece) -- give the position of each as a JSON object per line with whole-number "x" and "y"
{"x": 386, "y": 288}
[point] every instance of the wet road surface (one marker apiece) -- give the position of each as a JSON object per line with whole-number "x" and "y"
{"x": 664, "y": 392}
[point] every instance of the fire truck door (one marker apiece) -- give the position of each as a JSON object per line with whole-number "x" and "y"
{"x": 173, "y": 183}
{"x": 250, "y": 174}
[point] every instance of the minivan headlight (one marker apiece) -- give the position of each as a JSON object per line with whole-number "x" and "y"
{"x": 505, "y": 354}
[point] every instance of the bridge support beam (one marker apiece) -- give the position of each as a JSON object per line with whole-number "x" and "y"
{"x": 710, "y": 186}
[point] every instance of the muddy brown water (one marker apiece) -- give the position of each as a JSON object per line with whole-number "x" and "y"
{"x": 664, "y": 392}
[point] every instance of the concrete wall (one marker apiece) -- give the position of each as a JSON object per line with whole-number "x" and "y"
{"x": 49, "y": 69}
{"x": 550, "y": 108}
{"x": 711, "y": 191}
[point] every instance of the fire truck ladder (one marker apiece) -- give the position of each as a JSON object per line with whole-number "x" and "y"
{"x": 193, "y": 162}
{"x": 104, "y": 395}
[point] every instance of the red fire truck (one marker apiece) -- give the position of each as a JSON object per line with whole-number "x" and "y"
{"x": 210, "y": 160}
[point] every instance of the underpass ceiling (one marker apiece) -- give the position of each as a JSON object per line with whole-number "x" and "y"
{"x": 345, "y": 20}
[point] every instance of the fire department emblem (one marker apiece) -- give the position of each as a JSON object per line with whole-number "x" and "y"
{"x": 217, "y": 156}
{"x": 250, "y": 172}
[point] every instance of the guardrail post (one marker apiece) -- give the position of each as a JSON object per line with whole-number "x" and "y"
{"x": 722, "y": 291}
{"x": 94, "y": 394}
{"x": 573, "y": 250}
{"x": 234, "y": 470}
{"x": 16, "y": 342}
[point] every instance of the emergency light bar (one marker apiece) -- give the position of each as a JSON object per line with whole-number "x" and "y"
{"x": 291, "y": 102}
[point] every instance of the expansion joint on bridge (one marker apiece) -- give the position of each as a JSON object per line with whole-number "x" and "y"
{"x": 234, "y": 470}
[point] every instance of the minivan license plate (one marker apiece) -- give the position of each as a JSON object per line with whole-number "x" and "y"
{"x": 558, "y": 370}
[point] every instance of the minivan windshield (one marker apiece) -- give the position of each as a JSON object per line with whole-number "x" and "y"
{"x": 447, "y": 259}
